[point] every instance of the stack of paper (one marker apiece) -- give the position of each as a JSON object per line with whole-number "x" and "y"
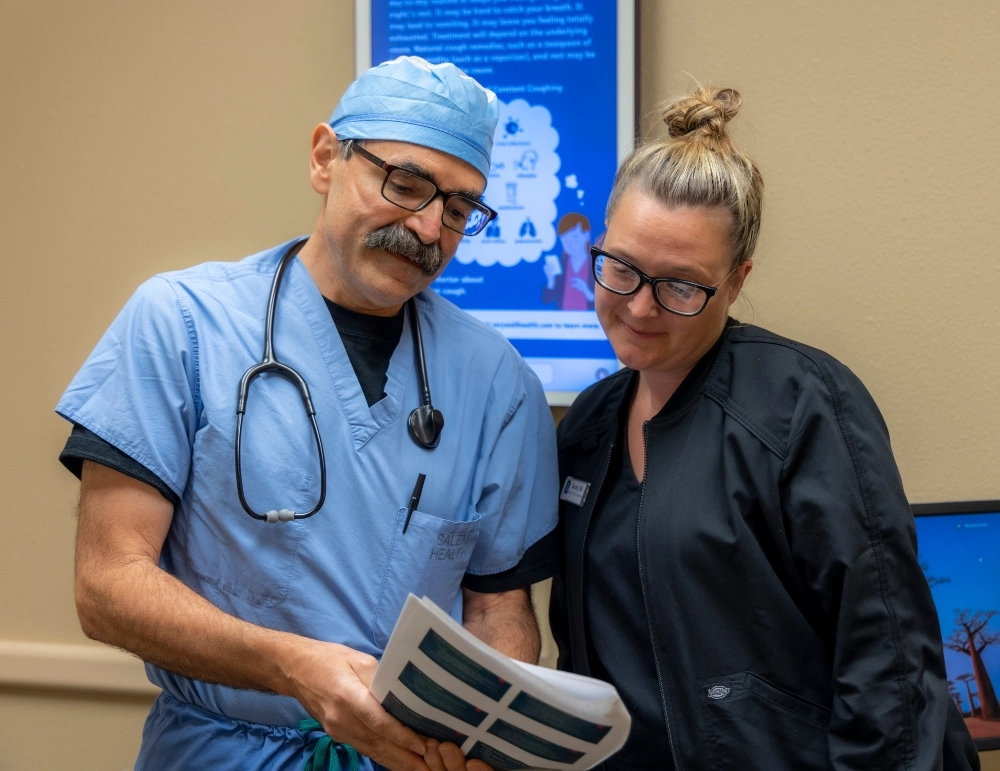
{"x": 443, "y": 682}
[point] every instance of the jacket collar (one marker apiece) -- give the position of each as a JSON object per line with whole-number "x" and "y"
{"x": 691, "y": 387}
{"x": 622, "y": 385}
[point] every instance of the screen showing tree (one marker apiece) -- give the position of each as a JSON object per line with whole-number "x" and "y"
{"x": 959, "y": 551}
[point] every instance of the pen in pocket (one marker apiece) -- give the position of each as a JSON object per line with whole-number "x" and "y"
{"x": 414, "y": 499}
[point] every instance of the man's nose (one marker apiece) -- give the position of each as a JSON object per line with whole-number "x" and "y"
{"x": 426, "y": 223}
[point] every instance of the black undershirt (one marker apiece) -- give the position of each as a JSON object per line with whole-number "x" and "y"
{"x": 370, "y": 342}
{"x": 618, "y": 641}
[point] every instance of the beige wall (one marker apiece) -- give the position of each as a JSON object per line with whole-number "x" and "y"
{"x": 140, "y": 137}
{"x": 874, "y": 125}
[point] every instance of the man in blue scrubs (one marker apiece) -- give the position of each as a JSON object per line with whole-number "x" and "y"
{"x": 253, "y": 629}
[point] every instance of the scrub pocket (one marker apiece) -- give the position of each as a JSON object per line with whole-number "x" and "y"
{"x": 429, "y": 559}
{"x": 748, "y": 719}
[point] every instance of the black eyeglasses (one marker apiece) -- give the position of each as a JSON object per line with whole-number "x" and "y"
{"x": 685, "y": 298}
{"x": 412, "y": 192}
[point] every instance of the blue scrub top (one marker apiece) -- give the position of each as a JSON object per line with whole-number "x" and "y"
{"x": 162, "y": 385}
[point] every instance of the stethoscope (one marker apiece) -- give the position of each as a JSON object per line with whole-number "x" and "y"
{"x": 425, "y": 422}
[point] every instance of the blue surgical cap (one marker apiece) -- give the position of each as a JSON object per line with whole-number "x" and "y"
{"x": 411, "y": 100}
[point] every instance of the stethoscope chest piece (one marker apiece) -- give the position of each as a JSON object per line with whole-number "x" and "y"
{"x": 425, "y": 424}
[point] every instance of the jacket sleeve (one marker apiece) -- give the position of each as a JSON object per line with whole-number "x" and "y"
{"x": 558, "y": 600}
{"x": 853, "y": 541}
{"x": 558, "y": 608}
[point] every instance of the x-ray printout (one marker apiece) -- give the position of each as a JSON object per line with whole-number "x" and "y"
{"x": 444, "y": 683}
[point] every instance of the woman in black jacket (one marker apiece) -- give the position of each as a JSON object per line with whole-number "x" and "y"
{"x": 739, "y": 554}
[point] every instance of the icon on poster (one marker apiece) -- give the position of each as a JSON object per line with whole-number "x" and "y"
{"x": 493, "y": 229}
{"x": 511, "y": 193}
{"x": 512, "y": 127}
{"x": 527, "y": 161}
{"x": 528, "y": 229}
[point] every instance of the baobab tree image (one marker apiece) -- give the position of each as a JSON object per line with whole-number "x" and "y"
{"x": 969, "y": 637}
{"x": 965, "y": 679}
{"x": 956, "y": 697}
{"x": 932, "y": 581}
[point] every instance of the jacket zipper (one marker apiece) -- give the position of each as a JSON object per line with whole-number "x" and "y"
{"x": 645, "y": 601}
{"x": 583, "y": 548}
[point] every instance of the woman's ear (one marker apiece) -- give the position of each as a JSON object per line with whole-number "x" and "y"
{"x": 739, "y": 277}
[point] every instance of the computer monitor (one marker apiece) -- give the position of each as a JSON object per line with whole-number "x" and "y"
{"x": 958, "y": 545}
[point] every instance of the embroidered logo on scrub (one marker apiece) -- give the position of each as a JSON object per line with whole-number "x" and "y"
{"x": 451, "y": 546}
{"x": 574, "y": 491}
{"x": 718, "y": 692}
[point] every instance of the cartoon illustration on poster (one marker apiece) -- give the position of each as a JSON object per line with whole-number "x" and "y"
{"x": 569, "y": 281}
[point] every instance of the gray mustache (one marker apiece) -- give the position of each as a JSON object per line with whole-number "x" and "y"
{"x": 396, "y": 238}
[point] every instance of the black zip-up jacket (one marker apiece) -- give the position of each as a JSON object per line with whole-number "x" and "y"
{"x": 790, "y": 623}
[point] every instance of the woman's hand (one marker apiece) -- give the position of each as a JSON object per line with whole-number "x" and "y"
{"x": 448, "y": 757}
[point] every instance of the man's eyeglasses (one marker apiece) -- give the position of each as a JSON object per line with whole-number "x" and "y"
{"x": 412, "y": 192}
{"x": 685, "y": 298}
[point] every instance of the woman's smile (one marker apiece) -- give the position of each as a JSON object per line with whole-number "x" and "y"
{"x": 640, "y": 332}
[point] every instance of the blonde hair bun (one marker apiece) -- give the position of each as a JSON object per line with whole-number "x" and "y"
{"x": 704, "y": 113}
{"x": 698, "y": 165}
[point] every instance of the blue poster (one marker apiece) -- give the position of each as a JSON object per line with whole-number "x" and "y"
{"x": 553, "y": 66}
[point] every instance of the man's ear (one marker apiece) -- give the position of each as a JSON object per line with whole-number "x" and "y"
{"x": 325, "y": 150}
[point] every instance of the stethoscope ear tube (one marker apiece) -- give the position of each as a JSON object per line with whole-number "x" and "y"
{"x": 270, "y": 363}
{"x": 289, "y": 374}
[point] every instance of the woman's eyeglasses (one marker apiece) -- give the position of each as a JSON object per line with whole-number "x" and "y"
{"x": 677, "y": 295}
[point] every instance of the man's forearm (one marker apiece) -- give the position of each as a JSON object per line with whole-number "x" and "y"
{"x": 123, "y": 597}
{"x": 506, "y": 621}
{"x": 142, "y": 609}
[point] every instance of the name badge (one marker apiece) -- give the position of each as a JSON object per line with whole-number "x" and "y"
{"x": 574, "y": 491}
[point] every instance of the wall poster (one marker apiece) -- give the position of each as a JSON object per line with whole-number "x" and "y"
{"x": 565, "y": 76}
